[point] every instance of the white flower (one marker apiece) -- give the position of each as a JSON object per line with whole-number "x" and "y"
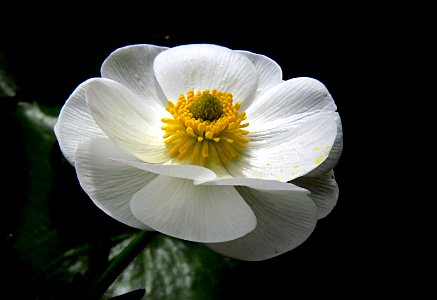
{"x": 205, "y": 144}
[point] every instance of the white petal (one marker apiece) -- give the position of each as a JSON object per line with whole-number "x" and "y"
{"x": 56, "y": 128}
{"x": 259, "y": 184}
{"x": 269, "y": 72}
{"x": 324, "y": 191}
{"x": 192, "y": 172}
{"x": 289, "y": 155}
{"x": 285, "y": 219}
{"x": 127, "y": 119}
{"x": 199, "y": 67}
{"x": 110, "y": 184}
{"x": 286, "y": 105}
{"x": 334, "y": 154}
{"x": 132, "y": 66}
{"x": 179, "y": 208}
{"x": 75, "y": 123}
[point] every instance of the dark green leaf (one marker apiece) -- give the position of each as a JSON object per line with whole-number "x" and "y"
{"x": 36, "y": 236}
{"x": 173, "y": 269}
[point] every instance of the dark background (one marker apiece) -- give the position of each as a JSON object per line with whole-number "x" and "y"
{"x": 361, "y": 249}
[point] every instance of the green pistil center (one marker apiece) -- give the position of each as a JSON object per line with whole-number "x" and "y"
{"x": 206, "y": 107}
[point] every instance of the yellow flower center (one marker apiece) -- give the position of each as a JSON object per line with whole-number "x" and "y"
{"x": 206, "y": 128}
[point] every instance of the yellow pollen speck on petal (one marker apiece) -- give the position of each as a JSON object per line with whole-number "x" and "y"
{"x": 320, "y": 159}
{"x": 205, "y": 128}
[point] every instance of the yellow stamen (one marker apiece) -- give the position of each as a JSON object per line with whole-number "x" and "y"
{"x": 206, "y": 128}
{"x": 209, "y": 135}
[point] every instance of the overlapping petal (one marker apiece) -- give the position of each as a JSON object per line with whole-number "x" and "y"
{"x": 193, "y": 172}
{"x": 288, "y": 155}
{"x": 324, "y": 191}
{"x": 75, "y": 123}
{"x": 178, "y": 208}
{"x": 110, "y": 184}
{"x": 285, "y": 219}
{"x": 287, "y": 105}
{"x": 199, "y": 67}
{"x": 132, "y": 66}
{"x": 258, "y": 184}
{"x": 269, "y": 72}
{"x": 127, "y": 119}
{"x": 334, "y": 154}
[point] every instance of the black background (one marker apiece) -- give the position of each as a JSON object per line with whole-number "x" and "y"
{"x": 363, "y": 247}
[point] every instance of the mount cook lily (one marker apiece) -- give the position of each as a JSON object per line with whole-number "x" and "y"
{"x": 205, "y": 144}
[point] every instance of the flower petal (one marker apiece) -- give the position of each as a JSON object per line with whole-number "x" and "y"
{"x": 127, "y": 119}
{"x": 75, "y": 123}
{"x": 259, "y": 184}
{"x": 199, "y": 67}
{"x": 334, "y": 154}
{"x": 132, "y": 66}
{"x": 269, "y": 72}
{"x": 285, "y": 219}
{"x": 179, "y": 208}
{"x": 289, "y": 155}
{"x": 324, "y": 191}
{"x": 192, "y": 172}
{"x": 110, "y": 184}
{"x": 286, "y": 105}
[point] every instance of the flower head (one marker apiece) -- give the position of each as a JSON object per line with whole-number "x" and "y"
{"x": 205, "y": 144}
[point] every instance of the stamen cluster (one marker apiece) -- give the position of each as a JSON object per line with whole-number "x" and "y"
{"x": 199, "y": 141}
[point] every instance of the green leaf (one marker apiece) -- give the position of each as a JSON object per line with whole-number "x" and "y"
{"x": 36, "y": 238}
{"x": 173, "y": 269}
